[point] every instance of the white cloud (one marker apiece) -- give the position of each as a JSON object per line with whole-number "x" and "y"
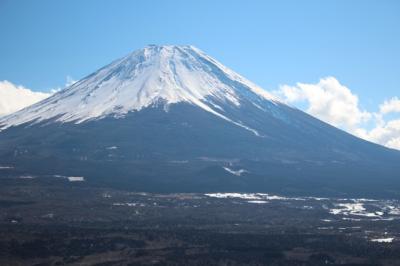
{"x": 327, "y": 100}
{"x": 14, "y": 98}
{"x": 390, "y": 106}
{"x": 394, "y": 143}
{"x": 335, "y": 104}
{"x": 387, "y": 134}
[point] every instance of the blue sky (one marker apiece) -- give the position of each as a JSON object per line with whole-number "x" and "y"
{"x": 271, "y": 43}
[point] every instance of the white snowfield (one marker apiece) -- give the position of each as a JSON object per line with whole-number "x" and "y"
{"x": 248, "y": 196}
{"x": 146, "y": 77}
{"x": 351, "y": 209}
{"x": 383, "y": 240}
{"x": 237, "y": 172}
{"x": 75, "y": 178}
{"x": 71, "y": 178}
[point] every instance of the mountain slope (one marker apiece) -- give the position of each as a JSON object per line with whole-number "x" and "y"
{"x": 169, "y": 74}
{"x": 172, "y": 118}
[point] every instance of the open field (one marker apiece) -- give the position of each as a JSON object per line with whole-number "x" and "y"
{"x": 53, "y": 221}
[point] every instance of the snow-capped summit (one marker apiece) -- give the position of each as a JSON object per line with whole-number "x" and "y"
{"x": 155, "y": 74}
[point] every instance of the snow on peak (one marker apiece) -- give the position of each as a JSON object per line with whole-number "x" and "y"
{"x": 167, "y": 73}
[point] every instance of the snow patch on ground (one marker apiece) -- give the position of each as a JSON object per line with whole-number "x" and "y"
{"x": 393, "y": 210}
{"x": 349, "y": 209}
{"x": 235, "y": 172}
{"x": 26, "y": 177}
{"x": 383, "y": 240}
{"x": 355, "y": 209}
{"x": 112, "y": 148}
{"x": 251, "y": 196}
{"x": 75, "y": 178}
{"x": 257, "y": 201}
{"x": 71, "y": 178}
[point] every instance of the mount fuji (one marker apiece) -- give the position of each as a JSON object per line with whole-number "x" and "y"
{"x": 172, "y": 118}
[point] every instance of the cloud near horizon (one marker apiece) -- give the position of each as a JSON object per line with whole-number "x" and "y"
{"x": 334, "y": 103}
{"x": 14, "y": 98}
